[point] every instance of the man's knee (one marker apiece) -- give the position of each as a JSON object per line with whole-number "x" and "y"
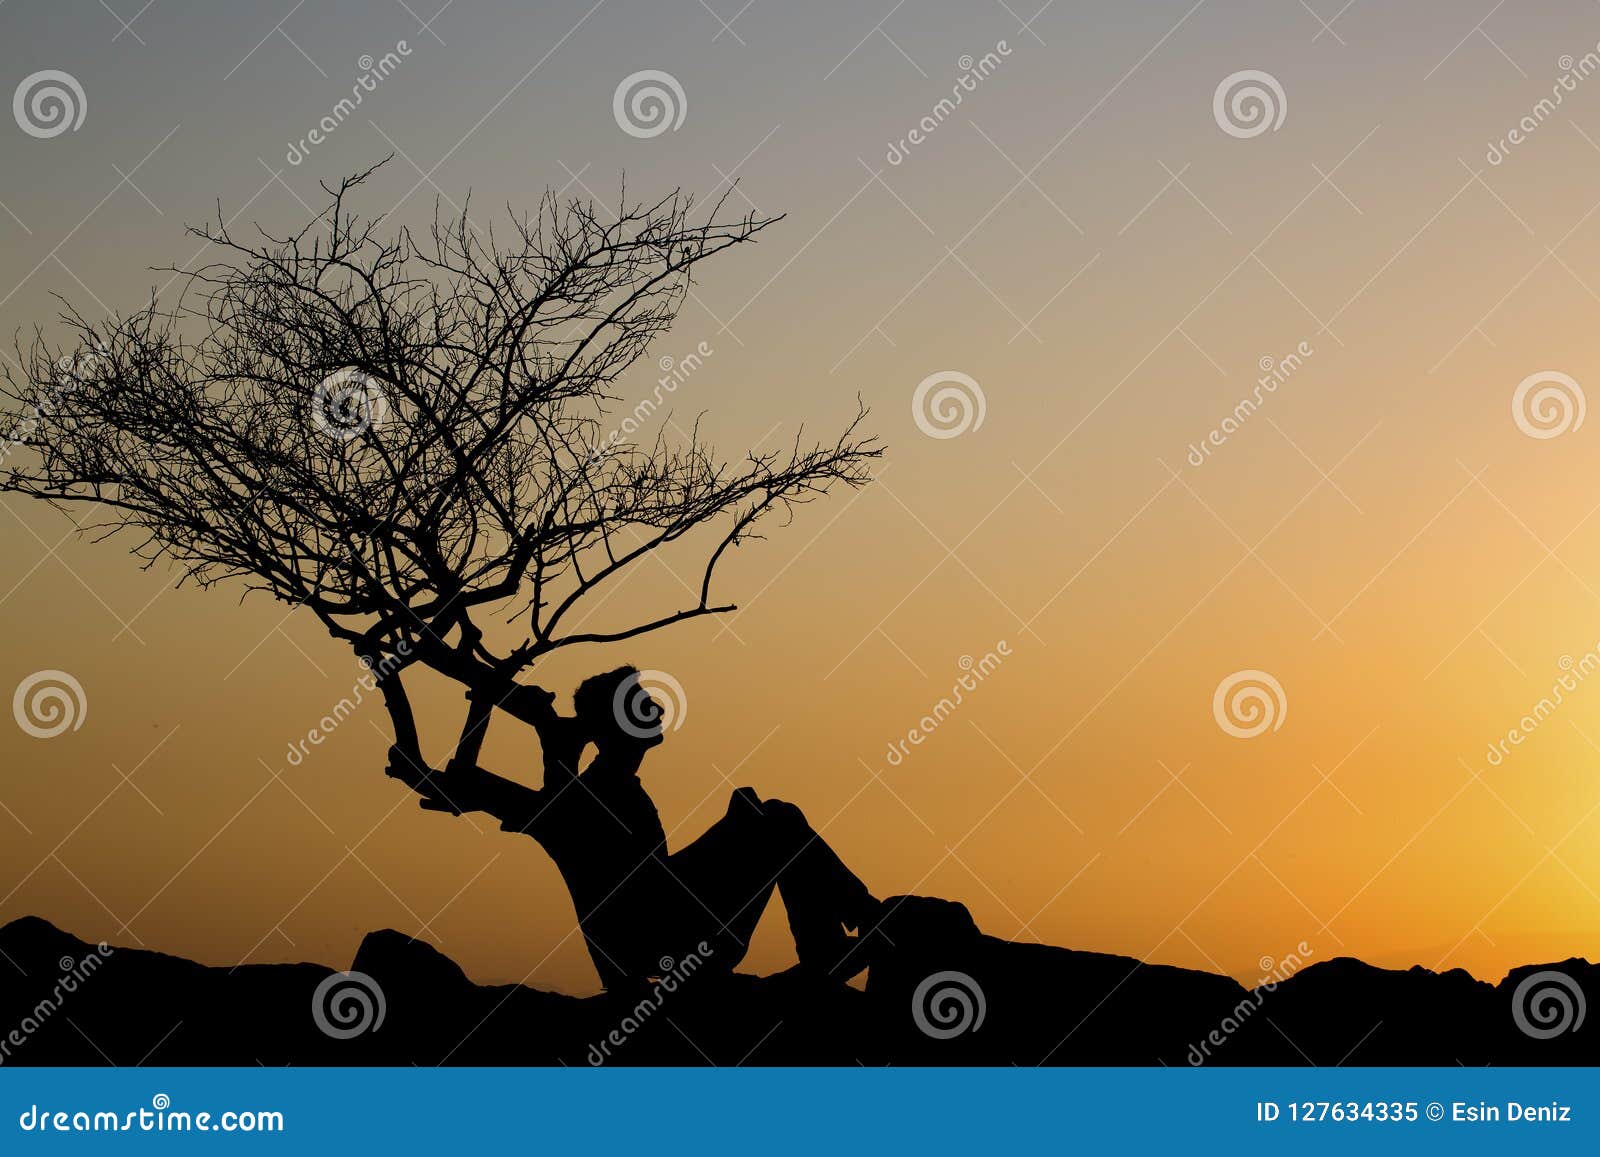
{"x": 785, "y": 824}
{"x": 746, "y": 805}
{"x": 782, "y": 811}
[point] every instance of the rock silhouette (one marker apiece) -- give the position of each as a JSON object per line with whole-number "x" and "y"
{"x": 938, "y": 992}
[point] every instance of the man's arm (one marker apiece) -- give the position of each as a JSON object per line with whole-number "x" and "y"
{"x": 561, "y": 740}
{"x": 468, "y": 789}
{"x": 464, "y": 786}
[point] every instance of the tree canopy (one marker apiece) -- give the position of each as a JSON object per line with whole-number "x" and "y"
{"x": 407, "y": 435}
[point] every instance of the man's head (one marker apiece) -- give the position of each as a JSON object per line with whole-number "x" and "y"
{"x": 617, "y": 711}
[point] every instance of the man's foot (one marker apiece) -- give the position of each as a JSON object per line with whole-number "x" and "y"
{"x": 866, "y": 916}
{"x": 850, "y": 953}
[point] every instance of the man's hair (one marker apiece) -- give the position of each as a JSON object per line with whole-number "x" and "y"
{"x": 595, "y": 700}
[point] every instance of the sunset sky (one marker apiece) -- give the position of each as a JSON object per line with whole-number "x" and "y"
{"x": 1081, "y": 238}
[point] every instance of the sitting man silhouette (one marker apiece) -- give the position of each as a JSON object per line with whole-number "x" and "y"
{"x": 638, "y": 905}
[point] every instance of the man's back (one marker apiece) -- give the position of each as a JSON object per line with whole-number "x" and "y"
{"x": 603, "y": 832}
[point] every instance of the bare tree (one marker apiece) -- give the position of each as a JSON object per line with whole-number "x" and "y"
{"x": 410, "y": 436}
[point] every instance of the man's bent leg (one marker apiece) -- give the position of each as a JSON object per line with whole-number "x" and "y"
{"x": 822, "y": 896}
{"x": 726, "y": 887}
{"x": 732, "y": 869}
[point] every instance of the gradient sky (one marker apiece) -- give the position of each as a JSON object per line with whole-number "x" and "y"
{"x": 1085, "y": 241}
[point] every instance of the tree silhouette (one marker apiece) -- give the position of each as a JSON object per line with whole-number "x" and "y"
{"x": 410, "y": 436}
